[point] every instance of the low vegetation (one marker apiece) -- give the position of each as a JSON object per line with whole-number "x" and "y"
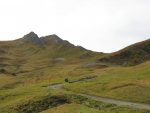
{"x": 29, "y": 66}
{"x": 129, "y": 56}
{"x": 125, "y": 83}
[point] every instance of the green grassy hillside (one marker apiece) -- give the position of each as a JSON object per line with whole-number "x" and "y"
{"x": 125, "y": 83}
{"x": 28, "y": 54}
{"x": 132, "y": 55}
{"x": 29, "y": 65}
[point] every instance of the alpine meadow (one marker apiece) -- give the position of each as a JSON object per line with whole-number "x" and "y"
{"x": 74, "y": 56}
{"x": 51, "y": 75}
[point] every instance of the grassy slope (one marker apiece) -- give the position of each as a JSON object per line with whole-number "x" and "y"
{"x": 28, "y": 97}
{"x": 27, "y": 63}
{"x": 71, "y": 108}
{"x": 130, "y": 83}
{"x": 79, "y": 108}
{"x": 29, "y": 67}
{"x": 125, "y": 83}
{"x": 131, "y": 55}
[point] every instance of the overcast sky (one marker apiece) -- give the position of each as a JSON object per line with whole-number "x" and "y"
{"x": 99, "y": 25}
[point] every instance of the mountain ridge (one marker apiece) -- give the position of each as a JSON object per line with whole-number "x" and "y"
{"x": 32, "y": 52}
{"x": 55, "y": 47}
{"x": 132, "y": 55}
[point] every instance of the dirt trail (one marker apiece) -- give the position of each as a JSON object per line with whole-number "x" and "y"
{"x": 108, "y": 100}
{"x": 118, "y": 102}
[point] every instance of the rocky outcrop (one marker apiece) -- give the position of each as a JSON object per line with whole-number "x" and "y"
{"x": 51, "y": 39}
{"x": 32, "y": 38}
{"x": 48, "y": 40}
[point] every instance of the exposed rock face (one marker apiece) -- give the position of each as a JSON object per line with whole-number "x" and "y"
{"x": 52, "y": 39}
{"x": 49, "y": 40}
{"x": 32, "y": 38}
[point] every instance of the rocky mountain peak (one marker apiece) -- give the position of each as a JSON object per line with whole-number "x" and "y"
{"x": 30, "y": 35}
{"x": 32, "y": 38}
{"x": 52, "y": 39}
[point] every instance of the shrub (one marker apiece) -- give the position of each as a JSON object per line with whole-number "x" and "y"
{"x": 66, "y": 80}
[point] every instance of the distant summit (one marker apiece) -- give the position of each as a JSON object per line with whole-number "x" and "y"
{"x": 31, "y": 35}
{"x": 52, "y": 39}
{"x": 32, "y": 38}
{"x": 44, "y": 40}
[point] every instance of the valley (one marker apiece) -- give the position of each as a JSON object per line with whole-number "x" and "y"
{"x": 31, "y": 65}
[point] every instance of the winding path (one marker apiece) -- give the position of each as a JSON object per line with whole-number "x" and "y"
{"x": 118, "y": 102}
{"x": 108, "y": 100}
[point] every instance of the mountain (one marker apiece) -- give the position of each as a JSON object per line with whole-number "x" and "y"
{"x": 46, "y": 73}
{"x": 46, "y": 40}
{"x": 32, "y": 52}
{"x": 32, "y": 38}
{"x": 129, "y": 56}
